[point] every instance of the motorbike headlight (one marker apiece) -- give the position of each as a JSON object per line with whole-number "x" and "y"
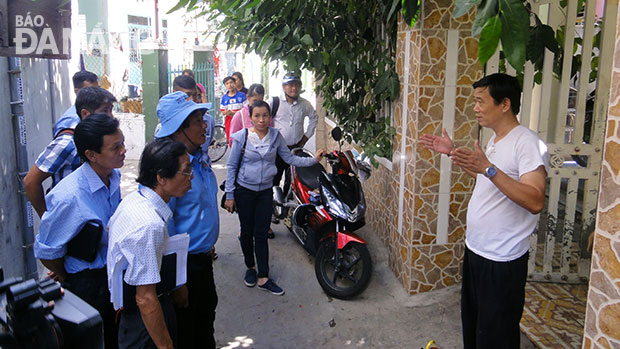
{"x": 336, "y": 207}
{"x": 341, "y": 210}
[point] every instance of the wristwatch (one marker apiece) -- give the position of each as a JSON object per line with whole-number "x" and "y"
{"x": 490, "y": 171}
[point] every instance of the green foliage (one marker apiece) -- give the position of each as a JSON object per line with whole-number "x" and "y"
{"x": 515, "y": 31}
{"x": 338, "y": 41}
{"x": 489, "y": 38}
{"x": 519, "y": 40}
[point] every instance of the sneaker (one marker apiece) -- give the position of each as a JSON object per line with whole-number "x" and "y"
{"x": 271, "y": 287}
{"x": 270, "y": 234}
{"x": 250, "y": 278}
{"x": 275, "y": 220}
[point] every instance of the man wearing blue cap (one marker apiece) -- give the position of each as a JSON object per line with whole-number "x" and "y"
{"x": 195, "y": 213}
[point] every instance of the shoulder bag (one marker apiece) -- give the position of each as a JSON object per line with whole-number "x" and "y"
{"x": 223, "y": 185}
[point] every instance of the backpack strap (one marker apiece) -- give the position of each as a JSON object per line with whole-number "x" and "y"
{"x": 274, "y": 106}
{"x": 69, "y": 131}
{"x": 245, "y": 141}
{"x": 243, "y": 116}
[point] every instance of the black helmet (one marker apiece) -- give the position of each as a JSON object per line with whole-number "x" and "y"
{"x": 290, "y": 78}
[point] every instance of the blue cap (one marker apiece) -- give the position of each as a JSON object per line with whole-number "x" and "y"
{"x": 173, "y": 109}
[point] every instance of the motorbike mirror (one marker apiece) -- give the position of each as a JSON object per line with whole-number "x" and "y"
{"x": 337, "y": 134}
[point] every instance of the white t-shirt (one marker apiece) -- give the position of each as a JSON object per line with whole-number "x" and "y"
{"x": 262, "y": 145}
{"x": 497, "y": 228}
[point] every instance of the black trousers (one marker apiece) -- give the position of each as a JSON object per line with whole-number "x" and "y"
{"x": 133, "y": 334}
{"x": 195, "y": 323}
{"x": 492, "y": 299}
{"x": 254, "y": 209}
{"x": 92, "y": 286}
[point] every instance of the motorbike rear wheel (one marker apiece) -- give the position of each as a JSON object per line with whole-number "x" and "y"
{"x": 346, "y": 276}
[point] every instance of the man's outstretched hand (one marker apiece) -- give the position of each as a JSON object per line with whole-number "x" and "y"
{"x": 441, "y": 144}
{"x": 474, "y": 160}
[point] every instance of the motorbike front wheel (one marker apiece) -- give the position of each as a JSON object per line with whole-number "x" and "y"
{"x": 344, "y": 274}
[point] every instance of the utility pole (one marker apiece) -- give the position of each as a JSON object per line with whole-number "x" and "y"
{"x": 156, "y": 19}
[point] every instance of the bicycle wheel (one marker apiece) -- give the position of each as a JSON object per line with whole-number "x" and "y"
{"x": 219, "y": 144}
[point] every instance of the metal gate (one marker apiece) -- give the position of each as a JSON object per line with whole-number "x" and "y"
{"x": 204, "y": 73}
{"x": 569, "y": 111}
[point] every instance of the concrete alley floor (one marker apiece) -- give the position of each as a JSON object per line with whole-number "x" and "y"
{"x": 383, "y": 316}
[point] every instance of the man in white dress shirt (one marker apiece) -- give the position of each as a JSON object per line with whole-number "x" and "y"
{"x": 138, "y": 234}
{"x": 289, "y": 118}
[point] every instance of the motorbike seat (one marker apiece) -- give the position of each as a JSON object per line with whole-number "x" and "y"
{"x": 309, "y": 176}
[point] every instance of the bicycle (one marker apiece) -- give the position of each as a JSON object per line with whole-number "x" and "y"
{"x": 219, "y": 144}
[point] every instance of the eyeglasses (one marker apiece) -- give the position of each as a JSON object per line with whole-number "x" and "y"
{"x": 187, "y": 174}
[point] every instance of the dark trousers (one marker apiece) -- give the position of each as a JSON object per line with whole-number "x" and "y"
{"x": 195, "y": 323}
{"x": 92, "y": 286}
{"x": 254, "y": 208}
{"x": 492, "y": 298}
{"x": 133, "y": 334}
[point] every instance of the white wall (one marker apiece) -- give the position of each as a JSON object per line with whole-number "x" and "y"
{"x": 11, "y": 259}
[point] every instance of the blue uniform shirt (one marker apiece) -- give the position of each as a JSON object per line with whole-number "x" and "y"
{"x": 196, "y": 213}
{"x": 79, "y": 198}
{"x": 69, "y": 119}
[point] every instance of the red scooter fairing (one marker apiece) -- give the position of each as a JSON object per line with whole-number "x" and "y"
{"x": 346, "y": 237}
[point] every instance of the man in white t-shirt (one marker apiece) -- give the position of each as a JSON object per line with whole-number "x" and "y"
{"x": 502, "y": 213}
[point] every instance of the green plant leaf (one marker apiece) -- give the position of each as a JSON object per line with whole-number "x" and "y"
{"x": 252, "y": 4}
{"x": 284, "y": 32}
{"x": 515, "y": 31}
{"x": 325, "y": 58}
{"x": 541, "y": 37}
{"x": 488, "y": 10}
{"x": 350, "y": 69}
{"x": 306, "y": 40}
{"x": 461, "y": 7}
{"x": 264, "y": 40}
{"x": 410, "y": 11}
{"x": 489, "y": 39}
{"x": 179, "y": 5}
{"x": 317, "y": 61}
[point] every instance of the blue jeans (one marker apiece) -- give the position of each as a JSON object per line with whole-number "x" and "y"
{"x": 254, "y": 208}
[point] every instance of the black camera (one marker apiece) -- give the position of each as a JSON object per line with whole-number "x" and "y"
{"x": 39, "y": 314}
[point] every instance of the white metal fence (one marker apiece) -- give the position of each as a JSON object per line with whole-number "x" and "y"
{"x": 568, "y": 111}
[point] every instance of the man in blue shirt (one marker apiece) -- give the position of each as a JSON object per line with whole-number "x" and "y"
{"x": 70, "y": 118}
{"x": 76, "y": 221}
{"x": 195, "y": 213}
{"x": 187, "y": 84}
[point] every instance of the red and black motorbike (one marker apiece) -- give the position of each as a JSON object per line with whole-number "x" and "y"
{"x": 323, "y": 210}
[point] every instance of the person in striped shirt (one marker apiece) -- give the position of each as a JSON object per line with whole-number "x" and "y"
{"x": 60, "y": 157}
{"x": 231, "y": 102}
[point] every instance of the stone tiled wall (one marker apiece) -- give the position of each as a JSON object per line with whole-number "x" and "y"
{"x": 418, "y": 259}
{"x": 602, "y": 328}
